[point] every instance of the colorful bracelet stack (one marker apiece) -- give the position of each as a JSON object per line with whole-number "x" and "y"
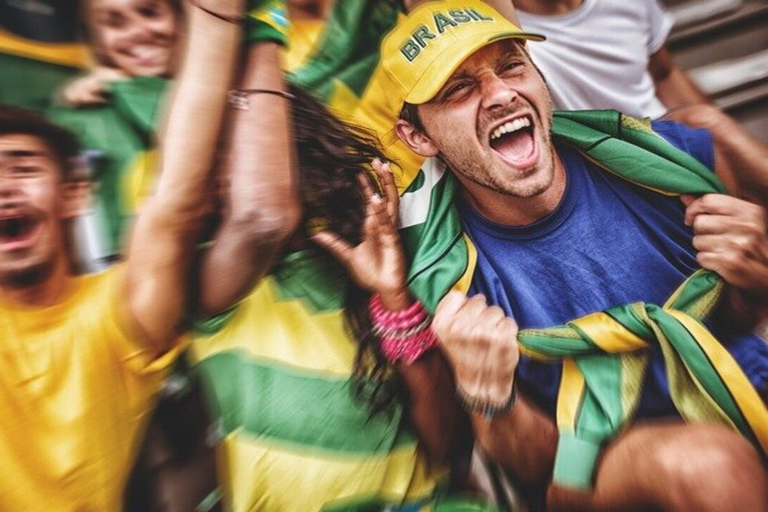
{"x": 403, "y": 335}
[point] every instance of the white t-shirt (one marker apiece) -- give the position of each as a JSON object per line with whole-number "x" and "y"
{"x": 597, "y": 55}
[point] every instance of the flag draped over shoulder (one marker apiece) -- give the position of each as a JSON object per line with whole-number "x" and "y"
{"x": 603, "y": 354}
{"x": 39, "y": 50}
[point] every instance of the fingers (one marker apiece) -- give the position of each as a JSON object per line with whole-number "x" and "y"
{"x": 388, "y": 187}
{"x": 480, "y": 343}
{"x": 717, "y": 204}
{"x": 446, "y": 311}
{"x": 334, "y": 244}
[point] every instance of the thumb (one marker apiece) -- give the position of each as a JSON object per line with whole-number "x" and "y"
{"x": 687, "y": 199}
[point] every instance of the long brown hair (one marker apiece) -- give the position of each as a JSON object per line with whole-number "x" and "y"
{"x": 332, "y": 154}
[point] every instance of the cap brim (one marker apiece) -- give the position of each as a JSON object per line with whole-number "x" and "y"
{"x": 450, "y": 59}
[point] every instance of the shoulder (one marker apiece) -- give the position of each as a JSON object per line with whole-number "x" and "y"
{"x": 696, "y": 142}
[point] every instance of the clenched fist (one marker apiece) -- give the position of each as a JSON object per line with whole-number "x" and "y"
{"x": 480, "y": 342}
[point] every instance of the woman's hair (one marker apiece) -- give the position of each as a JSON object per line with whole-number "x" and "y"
{"x": 332, "y": 154}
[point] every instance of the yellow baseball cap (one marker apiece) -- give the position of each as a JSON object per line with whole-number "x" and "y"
{"x": 424, "y": 49}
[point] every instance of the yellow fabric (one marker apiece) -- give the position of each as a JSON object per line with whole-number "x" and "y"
{"x": 259, "y": 474}
{"x": 372, "y": 110}
{"x": 741, "y": 389}
{"x": 66, "y": 54}
{"x": 571, "y": 392}
{"x": 76, "y": 389}
{"x": 318, "y": 341}
{"x": 303, "y": 35}
{"x": 609, "y": 334}
{"x": 427, "y": 46}
{"x": 270, "y": 478}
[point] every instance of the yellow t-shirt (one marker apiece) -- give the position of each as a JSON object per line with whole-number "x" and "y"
{"x": 76, "y": 389}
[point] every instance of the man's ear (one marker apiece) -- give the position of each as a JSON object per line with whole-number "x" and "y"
{"x": 418, "y": 142}
{"x": 77, "y": 197}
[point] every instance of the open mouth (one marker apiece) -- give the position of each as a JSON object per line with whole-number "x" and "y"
{"x": 148, "y": 55}
{"x": 17, "y": 231}
{"x": 514, "y": 142}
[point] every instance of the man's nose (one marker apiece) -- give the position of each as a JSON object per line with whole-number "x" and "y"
{"x": 9, "y": 187}
{"x": 495, "y": 91}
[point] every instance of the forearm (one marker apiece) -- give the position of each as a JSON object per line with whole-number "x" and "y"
{"x": 159, "y": 253}
{"x": 673, "y": 86}
{"x": 523, "y": 442}
{"x": 441, "y": 425}
{"x": 260, "y": 152}
{"x": 262, "y": 194}
{"x": 194, "y": 116}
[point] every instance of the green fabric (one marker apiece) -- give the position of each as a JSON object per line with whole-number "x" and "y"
{"x": 271, "y": 413}
{"x": 119, "y": 131}
{"x": 313, "y": 276}
{"x": 348, "y": 49}
{"x": 628, "y": 148}
{"x": 266, "y": 20}
{"x": 31, "y": 83}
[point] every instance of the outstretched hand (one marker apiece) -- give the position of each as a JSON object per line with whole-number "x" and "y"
{"x": 377, "y": 264}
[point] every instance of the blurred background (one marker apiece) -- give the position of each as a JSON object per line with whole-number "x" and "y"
{"x": 723, "y": 45}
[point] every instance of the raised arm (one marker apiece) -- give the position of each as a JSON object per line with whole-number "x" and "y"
{"x": 159, "y": 253}
{"x": 263, "y": 205}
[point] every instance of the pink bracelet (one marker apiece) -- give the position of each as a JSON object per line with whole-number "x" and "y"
{"x": 403, "y": 335}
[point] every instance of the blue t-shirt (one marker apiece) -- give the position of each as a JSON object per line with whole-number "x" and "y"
{"x": 608, "y": 242}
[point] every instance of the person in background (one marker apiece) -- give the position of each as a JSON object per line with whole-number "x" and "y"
{"x": 610, "y": 54}
{"x": 602, "y": 326}
{"x": 84, "y": 355}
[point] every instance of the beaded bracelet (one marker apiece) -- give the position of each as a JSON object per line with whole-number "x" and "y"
{"x": 484, "y": 408}
{"x": 403, "y": 335}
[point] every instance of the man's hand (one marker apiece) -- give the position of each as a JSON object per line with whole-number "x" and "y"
{"x": 91, "y": 89}
{"x": 481, "y": 345}
{"x": 377, "y": 264}
{"x": 730, "y": 235}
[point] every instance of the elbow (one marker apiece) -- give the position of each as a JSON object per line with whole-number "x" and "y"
{"x": 265, "y": 226}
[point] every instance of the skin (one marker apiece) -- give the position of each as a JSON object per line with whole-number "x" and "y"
{"x": 32, "y": 185}
{"x": 135, "y": 36}
{"x": 480, "y": 342}
{"x": 498, "y": 84}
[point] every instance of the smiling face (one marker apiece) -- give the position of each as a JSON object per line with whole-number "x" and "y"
{"x": 136, "y": 36}
{"x": 490, "y": 123}
{"x": 32, "y": 207}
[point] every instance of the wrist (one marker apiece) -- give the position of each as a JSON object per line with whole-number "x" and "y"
{"x": 404, "y": 335}
{"x": 487, "y": 407}
{"x": 396, "y": 300}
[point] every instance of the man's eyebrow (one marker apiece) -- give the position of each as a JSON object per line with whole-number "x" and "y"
{"x": 22, "y": 153}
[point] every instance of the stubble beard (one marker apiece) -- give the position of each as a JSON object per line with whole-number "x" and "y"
{"x": 31, "y": 275}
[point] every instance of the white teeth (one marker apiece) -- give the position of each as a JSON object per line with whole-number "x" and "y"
{"x": 511, "y": 126}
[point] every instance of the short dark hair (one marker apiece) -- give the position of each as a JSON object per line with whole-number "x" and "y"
{"x": 410, "y": 114}
{"x": 63, "y": 143}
